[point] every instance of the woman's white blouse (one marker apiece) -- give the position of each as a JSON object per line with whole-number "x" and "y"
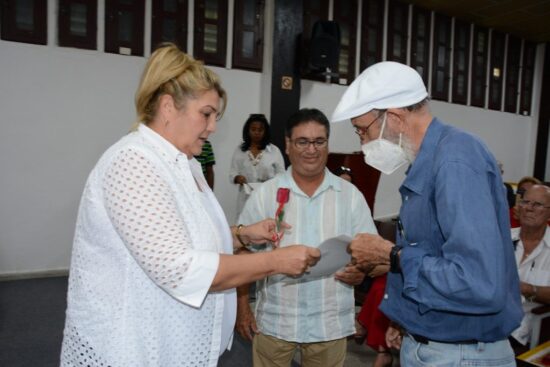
{"x": 144, "y": 256}
{"x": 270, "y": 164}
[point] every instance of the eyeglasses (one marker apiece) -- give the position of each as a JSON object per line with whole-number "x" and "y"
{"x": 535, "y": 204}
{"x": 303, "y": 143}
{"x": 363, "y": 130}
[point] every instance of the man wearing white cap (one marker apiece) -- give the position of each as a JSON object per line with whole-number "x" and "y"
{"x": 452, "y": 292}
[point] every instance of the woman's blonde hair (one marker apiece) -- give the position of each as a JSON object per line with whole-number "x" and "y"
{"x": 171, "y": 71}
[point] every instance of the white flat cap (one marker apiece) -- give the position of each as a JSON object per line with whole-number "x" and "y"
{"x": 383, "y": 85}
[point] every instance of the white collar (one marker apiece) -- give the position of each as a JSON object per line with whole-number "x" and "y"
{"x": 164, "y": 146}
{"x": 545, "y": 239}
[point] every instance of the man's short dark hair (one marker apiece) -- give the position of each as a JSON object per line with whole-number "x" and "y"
{"x": 305, "y": 115}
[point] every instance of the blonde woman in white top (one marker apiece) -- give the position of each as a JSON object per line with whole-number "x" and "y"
{"x": 152, "y": 271}
{"x": 255, "y": 160}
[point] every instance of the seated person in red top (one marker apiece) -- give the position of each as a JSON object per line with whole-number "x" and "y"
{"x": 372, "y": 322}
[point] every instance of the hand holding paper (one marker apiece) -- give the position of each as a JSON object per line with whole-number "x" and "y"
{"x": 369, "y": 250}
{"x": 350, "y": 275}
{"x": 334, "y": 256}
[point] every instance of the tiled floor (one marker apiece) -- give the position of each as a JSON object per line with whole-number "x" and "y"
{"x": 32, "y": 313}
{"x": 363, "y": 356}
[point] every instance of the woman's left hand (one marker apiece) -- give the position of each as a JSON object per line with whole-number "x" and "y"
{"x": 263, "y": 231}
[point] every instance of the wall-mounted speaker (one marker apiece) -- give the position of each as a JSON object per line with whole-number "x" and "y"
{"x": 324, "y": 48}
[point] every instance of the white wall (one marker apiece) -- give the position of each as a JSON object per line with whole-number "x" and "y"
{"x": 61, "y": 108}
{"x": 244, "y": 97}
{"x": 509, "y": 136}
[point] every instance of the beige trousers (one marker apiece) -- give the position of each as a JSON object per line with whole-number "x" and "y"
{"x": 268, "y": 351}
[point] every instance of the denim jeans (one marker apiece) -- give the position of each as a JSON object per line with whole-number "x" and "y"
{"x": 416, "y": 354}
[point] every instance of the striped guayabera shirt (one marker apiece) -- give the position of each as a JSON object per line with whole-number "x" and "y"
{"x": 317, "y": 310}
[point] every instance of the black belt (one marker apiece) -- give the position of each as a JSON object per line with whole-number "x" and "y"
{"x": 423, "y": 340}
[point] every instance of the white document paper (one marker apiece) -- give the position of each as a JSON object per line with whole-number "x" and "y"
{"x": 334, "y": 256}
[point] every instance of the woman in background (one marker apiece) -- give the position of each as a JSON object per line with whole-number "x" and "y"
{"x": 256, "y": 159}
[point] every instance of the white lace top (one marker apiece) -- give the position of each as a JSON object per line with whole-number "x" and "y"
{"x": 145, "y": 253}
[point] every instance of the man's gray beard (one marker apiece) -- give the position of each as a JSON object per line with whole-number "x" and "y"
{"x": 406, "y": 144}
{"x": 408, "y": 149}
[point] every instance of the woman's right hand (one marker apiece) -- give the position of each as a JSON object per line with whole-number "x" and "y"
{"x": 295, "y": 260}
{"x": 240, "y": 179}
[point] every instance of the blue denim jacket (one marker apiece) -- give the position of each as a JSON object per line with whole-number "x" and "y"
{"x": 459, "y": 279}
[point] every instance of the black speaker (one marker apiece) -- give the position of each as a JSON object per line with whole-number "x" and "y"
{"x": 324, "y": 49}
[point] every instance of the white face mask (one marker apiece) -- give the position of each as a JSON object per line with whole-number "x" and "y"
{"x": 384, "y": 155}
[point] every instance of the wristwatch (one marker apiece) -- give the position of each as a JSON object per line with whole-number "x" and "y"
{"x": 394, "y": 259}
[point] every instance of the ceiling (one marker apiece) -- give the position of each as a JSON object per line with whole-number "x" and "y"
{"x": 529, "y": 19}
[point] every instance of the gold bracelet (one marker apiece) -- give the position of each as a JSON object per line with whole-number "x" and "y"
{"x": 238, "y": 235}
